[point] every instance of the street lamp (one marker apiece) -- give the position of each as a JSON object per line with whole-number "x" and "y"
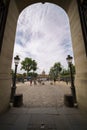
{"x": 69, "y": 60}
{"x": 16, "y": 61}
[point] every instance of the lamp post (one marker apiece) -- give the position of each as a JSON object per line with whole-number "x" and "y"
{"x": 13, "y": 89}
{"x": 69, "y": 60}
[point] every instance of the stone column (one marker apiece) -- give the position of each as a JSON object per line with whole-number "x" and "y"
{"x": 6, "y": 56}
{"x": 79, "y": 55}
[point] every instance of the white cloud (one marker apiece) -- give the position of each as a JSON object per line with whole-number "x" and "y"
{"x": 43, "y": 34}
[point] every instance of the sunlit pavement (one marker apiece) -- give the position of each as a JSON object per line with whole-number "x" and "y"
{"x": 36, "y": 114}
{"x": 46, "y": 95}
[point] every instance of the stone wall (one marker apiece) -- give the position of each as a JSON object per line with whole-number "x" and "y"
{"x": 79, "y": 55}
{"x": 6, "y": 56}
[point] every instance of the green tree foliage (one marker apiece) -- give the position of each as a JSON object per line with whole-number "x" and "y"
{"x": 34, "y": 65}
{"x": 55, "y": 71}
{"x": 29, "y": 65}
{"x": 26, "y": 64}
{"x": 66, "y": 72}
{"x": 34, "y": 68}
{"x": 32, "y": 74}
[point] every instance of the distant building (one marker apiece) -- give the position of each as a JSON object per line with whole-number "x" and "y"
{"x": 43, "y": 76}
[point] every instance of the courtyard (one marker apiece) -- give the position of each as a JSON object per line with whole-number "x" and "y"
{"x": 43, "y": 108}
{"x": 45, "y": 94}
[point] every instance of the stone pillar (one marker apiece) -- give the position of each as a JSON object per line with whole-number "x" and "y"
{"x": 6, "y": 56}
{"x": 79, "y": 55}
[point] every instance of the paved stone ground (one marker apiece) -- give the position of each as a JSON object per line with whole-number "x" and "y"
{"x": 50, "y": 114}
{"x": 46, "y": 95}
{"x": 43, "y": 119}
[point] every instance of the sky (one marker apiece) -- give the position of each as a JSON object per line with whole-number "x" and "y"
{"x": 43, "y": 34}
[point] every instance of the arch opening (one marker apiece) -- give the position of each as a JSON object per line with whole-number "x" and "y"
{"x": 43, "y": 34}
{"x": 15, "y": 8}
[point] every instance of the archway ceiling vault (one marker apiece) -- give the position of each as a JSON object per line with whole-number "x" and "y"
{"x": 24, "y": 3}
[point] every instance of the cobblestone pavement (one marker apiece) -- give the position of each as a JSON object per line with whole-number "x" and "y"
{"x": 46, "y": 95}
{"x": 43, "y": 109}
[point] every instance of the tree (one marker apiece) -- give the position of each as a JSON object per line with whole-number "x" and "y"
{"x": 34, "y": 68}
{"x": 26, "y": 64}
{"x": 52, "y": 74}
{"x": 29, "y": 65}
{"x": 65, "y": 72}
{"x": 55, "y": 71}
{"x": 58, "y": 67}
{"x": 34, "y": 65}
{"x": 31, "y": 74}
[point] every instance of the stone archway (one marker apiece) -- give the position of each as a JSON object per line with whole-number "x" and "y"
{"x": 15, "y": 8}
